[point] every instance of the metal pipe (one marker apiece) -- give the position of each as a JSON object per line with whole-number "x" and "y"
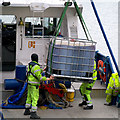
{"x": 105, "y": 37}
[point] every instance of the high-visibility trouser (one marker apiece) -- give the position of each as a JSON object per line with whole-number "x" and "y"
{"x": 32, "y": 97}
{"x": 85, "y": 90}
{"x": 111, "y": 92}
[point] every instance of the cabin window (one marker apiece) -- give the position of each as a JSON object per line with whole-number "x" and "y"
{"x": 36, "y": 26}
{"x": 8, "y": 23}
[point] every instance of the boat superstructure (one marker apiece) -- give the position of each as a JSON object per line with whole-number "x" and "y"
{"x": 27, "y": 28}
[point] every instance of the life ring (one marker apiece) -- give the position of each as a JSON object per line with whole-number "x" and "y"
{"x": 102, "y": 70}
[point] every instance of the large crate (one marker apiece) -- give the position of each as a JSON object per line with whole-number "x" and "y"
{"x": 71, "y": 57}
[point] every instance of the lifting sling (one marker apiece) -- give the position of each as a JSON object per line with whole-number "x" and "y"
{"x": 59, "y": 25}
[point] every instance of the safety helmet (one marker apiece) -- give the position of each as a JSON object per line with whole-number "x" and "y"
{"x": 34, "y": 57}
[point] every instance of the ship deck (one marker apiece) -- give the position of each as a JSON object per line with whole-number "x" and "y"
{"x": 99, "y": 110}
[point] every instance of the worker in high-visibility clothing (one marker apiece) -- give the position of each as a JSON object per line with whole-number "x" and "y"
{"x": 113, "y": 88}
{"x": 34, "y": 77}
{"x": 85, "y": 90}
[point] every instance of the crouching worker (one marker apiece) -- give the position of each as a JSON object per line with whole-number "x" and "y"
{"x": 34, "y": 78}
{"x": 113, "y": 88}
{"x": 85, "y": 90}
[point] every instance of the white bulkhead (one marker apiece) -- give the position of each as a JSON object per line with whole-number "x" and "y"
{"x": 35, "y": 24}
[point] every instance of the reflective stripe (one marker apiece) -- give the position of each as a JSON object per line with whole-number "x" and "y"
{"x": 33, "y": 110}
{"x": 27, "y": 105}
{"x": 33, "y": 82}
{"x": 34, "y": 107}
{"x": 41, "y": 78}
{"x": 31, "y": 74}
{"x": 94, "y": 76}
{"x": 109, "y": 94}
{"x": 117, "y": 87}
{"x": 88, "y": 101}
{"x": 33, "y": 68}
{"x": 89, "y": 104}
{"x": 82, "y": 96}
{"x": 113, "y": 79}
{"x": 109, "y": 88}
{"x": 36, "y": 70}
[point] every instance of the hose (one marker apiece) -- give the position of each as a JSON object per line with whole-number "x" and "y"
{"x": 9, "y": 106}
{"x": 14, "y": 98}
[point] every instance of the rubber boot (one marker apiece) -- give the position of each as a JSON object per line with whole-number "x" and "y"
{"x": 27, "y": 111}
{"x": 34, "y": 116}
{"x": 83, "y": 103}
{"x": 88, "y": 107}
{"x": 108, "y": 104}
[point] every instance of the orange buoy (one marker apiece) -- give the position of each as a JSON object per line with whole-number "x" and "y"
{"x": 102, "y": 70}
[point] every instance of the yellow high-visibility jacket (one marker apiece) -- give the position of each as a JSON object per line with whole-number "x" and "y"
{"x": 34, "y": 73}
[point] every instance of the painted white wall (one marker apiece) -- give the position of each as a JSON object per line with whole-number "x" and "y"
{"x": 108, "y": 13}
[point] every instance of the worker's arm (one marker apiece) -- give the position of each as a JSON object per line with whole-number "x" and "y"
{"x": 44, "y": 68}
{"x": 37, "y": 72}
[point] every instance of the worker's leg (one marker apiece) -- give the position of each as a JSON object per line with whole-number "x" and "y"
{"x": 35, "y": 97}
{"x": 109, "y": 93}
{"x": 82, "y": 92}
{"x": 115, "y": 92}
{"x": 115, "y": 95}
{"x": 28, "y": 101}
{"x": 88, "y": 97}
{"x": 108, "y": 98}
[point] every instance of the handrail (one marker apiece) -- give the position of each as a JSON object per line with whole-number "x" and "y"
{"x": 105, "y": 37}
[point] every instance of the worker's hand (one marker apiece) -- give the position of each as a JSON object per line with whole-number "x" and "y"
{"x": 52, "y": 77}
{"x": 44, "y": 68}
